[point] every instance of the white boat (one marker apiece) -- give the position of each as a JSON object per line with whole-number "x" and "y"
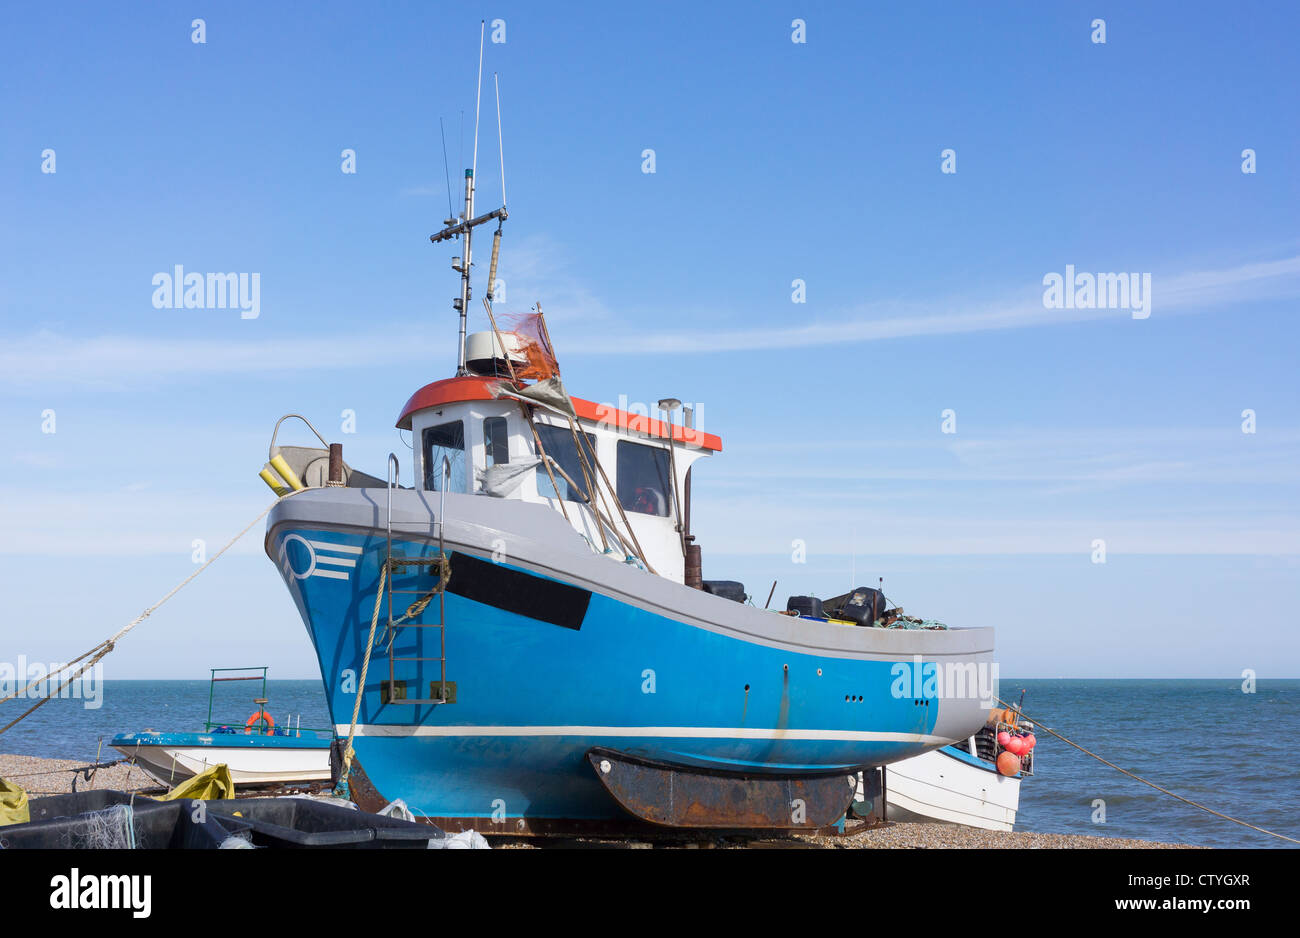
{"x": 256, "y": 752}
{"x": 956, "y": 784}
{"x": 171, "y": 758}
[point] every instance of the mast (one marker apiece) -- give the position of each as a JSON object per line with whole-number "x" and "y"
{"x": 465, "y": 266}
{"x": 465, "y": 225}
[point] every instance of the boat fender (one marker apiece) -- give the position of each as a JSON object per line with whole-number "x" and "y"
{"x": 275, "y": 483}
{"x": 1008, "y": 764}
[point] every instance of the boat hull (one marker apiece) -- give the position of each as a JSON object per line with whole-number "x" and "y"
{"x": 951, "y": 787}
{"x": 554, "y": 650}
{"x": 171, "y": 758}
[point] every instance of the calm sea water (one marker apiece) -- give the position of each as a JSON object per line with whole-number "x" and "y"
{"x": 1205, "y": 740}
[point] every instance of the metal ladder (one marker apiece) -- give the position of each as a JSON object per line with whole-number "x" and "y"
{"x": 439, "y": 565}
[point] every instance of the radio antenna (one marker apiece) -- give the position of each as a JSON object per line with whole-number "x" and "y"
{"x": 463, "y": 227}
{"x": 451, "y": 212}
{"x": 478, "y": 94}
{"x": 501, "y": 147}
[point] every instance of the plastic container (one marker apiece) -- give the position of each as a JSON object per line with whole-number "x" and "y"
{"x": 305, "y": 822}
{"x": 100, "y": 820}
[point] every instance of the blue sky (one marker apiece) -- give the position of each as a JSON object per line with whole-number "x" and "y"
{"x": 775, "y": 161}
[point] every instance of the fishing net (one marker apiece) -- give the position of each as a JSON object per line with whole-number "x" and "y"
{"x": 110, "y": 829}
{"x": 911, "y": 622}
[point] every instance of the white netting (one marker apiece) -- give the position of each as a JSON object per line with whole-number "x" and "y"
{"x": 110, "y": 829}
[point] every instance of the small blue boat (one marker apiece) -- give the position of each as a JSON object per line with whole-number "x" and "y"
{"x": 256, "y": 751}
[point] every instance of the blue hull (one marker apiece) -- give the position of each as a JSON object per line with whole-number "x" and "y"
{"x": 219, "y": 741}
{"x": 535, "y": 692}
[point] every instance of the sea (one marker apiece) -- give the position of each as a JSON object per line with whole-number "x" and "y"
{"x": 1211, "y": 741}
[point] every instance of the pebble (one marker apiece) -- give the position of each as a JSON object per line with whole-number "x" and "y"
{"x": 51, "y": 776}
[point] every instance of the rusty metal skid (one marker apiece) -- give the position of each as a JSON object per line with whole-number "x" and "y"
{"x": 683, "y": 796}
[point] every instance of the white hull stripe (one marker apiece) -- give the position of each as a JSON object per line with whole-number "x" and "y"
{"x": 674, "y": 732}
{"x": 336, "y": 561}
{"x": 337, "y": 548}
{"x": 330, "y": 574}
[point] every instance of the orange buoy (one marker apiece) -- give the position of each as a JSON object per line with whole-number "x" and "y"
{"x": 1008, "y": 764}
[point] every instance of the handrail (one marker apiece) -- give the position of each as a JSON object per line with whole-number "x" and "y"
{"x": 394, "y": 478}
{"x": 293, "y": 733}
{"x": 442, "y": 495}
{"x": 271, "y": 449}
{"x": 442, "y": 593}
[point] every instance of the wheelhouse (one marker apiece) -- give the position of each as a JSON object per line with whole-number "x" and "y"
{"x": 461, "y": 429}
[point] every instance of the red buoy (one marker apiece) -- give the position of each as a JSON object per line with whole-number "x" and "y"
{"x": 1003, "y": 738}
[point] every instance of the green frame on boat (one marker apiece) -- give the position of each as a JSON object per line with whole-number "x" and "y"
{"x": 260, "y": 701}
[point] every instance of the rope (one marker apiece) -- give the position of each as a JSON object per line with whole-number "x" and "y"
{"x": 75, "y": 769}
{"x": 1138, "y": 778}
{"x": 361, "y": 685}
{"x": 421, "y": 604}
{"x": 106, "y": 646}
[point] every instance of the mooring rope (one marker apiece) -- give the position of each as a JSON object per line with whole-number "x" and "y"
{"x": 1139, "y": 778}
{"x": 361, "y": 686}
{"x": 73, "y": 769}
{"x": 103, "y": 648}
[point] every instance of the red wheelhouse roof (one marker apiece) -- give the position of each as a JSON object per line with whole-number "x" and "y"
{"x": 476, "y": 388}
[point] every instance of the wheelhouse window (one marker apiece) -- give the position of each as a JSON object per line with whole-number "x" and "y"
{"x": 558, "y": 442}
{"x": 644, "y": 481}
{"x": 496, "y": 444}
{"x": 445, "y": 440}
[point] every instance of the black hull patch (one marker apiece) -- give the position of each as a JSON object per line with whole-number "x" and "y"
{"x": 518, "y": 592}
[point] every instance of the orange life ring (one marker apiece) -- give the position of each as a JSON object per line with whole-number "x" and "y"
{"x": 260, "y": 716}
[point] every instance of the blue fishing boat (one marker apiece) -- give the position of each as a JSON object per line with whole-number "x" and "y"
{"x": 520, "y": 637}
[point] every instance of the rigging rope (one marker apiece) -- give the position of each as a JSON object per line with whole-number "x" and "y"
{"x": 103, "y": 648}
{"x": 1139, "y": 778}
{"x": 361, "y": 685}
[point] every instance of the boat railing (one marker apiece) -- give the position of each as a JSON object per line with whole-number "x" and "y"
{"x": 236, "y": 728}
{"x": 252, "y": 726}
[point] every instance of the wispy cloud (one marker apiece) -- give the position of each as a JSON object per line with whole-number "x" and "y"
{"x": 539, "y": 270}
{"x": 1179, "y": 293}
{"x": 129, "y": 521}
{"x": 757, "y": 526}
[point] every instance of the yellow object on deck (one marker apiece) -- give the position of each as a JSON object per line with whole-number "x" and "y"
{"x": 13, "y": 804}
{"x": 270, "y": 478}
{"x": 279, "y": 465}
{"x": 211, "y": 784}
